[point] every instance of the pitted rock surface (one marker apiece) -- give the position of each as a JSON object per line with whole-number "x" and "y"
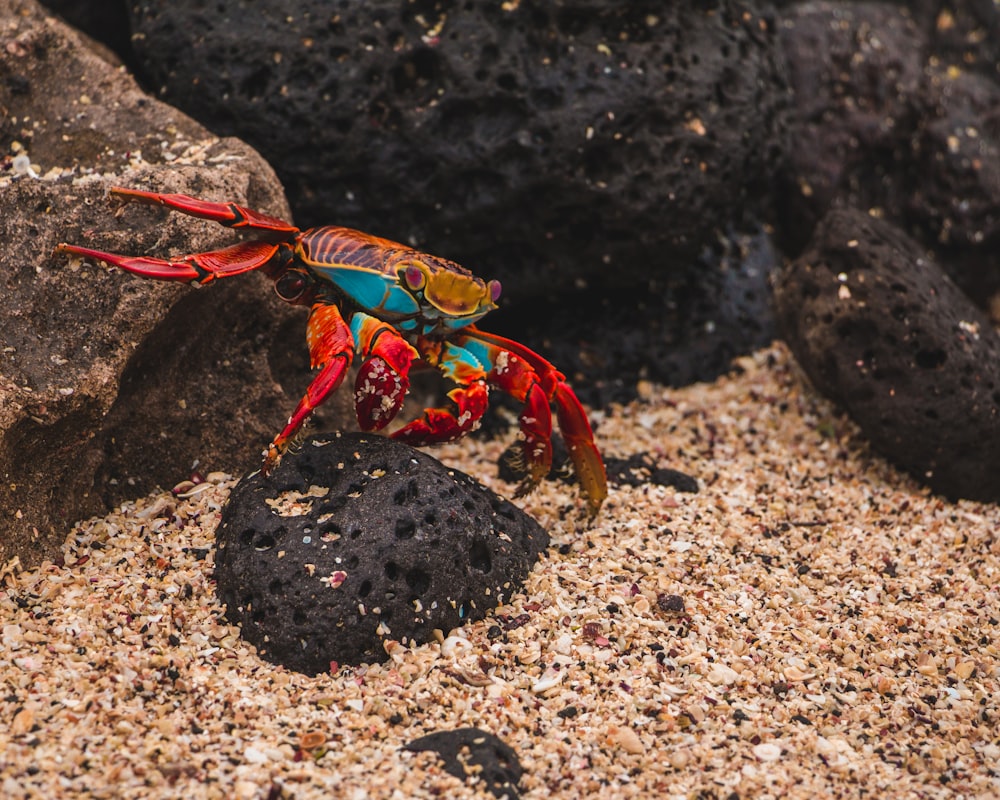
{"x": 956, "y": 186}
{"x": 855, "y": 70}
{"x": 880, "y": 329}
{"x": 894, "y": 109}
{"x": 110, "y": 384}
{"x": 357, "y": 539}
{"x": 539, "y": 143}
{"x": 474, "y": 753}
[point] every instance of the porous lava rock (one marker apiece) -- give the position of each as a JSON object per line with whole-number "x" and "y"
{"x": 357, "y": 539}
{"x": 881, "y": 330}
{"x": 674, "y": 329}
{"x": 956, "y": 197}
{"x": 855, "y": 70}
{"x": 474, "y": 753}
{"x": 539, "y": 143}
{"x": 895, "y": 110}
{"x": 110, "y": 384}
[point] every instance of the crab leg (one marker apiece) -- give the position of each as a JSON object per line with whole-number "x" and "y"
{"x": 197, "y": 268}
{"x": 229, "y": 214}
{"x": 529, "y": 378}
{"x": 470, "y": 398}
{"x": 384, "y": 376}
{"x": 331, "y": 348}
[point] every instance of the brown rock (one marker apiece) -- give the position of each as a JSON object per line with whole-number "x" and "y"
{"x": 111, "y": 384}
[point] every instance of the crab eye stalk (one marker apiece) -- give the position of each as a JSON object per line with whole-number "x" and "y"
{"x": 495, "y": 290}
{"x": 414, "y": 277}
{"x": 291, "y": 286}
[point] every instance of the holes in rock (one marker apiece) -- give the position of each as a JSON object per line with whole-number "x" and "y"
{"x": 263, "y": 541}
{"x": 546, "y": 99}
{"x": 333, "y": 504}
{"x": 391, "y": 570}
{"x": 931, "y": 359}
{"x": 355, "y": 533}
{"x": 810, "y": 289}
{"x": 419, "y": 72}
{"x": 299, "y": 617}
{"x": 405, "y": 528}
{"x": 430, "y": 518}
{"x": 275, "y": 586}
{"x": 418, "y": 581}
{"x": 479, "y": 556}
{"x": 507, "y": 82}
{"x": 406, "y": 494}
{"x": 255, "y": 85}
{"x": 257, "y": 615}
{"x": 365, "y": 588}
{"x": 353, "y": 562}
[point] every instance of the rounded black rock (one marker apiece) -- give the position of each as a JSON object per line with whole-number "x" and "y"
{"x": 358, "y": 539}
{"x": 881, "y": 330}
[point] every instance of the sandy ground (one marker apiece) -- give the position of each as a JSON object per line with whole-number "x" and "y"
{"x": 811, "y": 623}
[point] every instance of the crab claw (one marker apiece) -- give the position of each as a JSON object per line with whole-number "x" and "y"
{"x": 379, "y": 392}
{"x": 536, "y": 448}
{"x": 579, "y": 438}
{"x": 443, "y": 425}
{"x": 384, "y": 376}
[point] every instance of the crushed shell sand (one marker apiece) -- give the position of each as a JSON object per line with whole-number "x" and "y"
{"x": 811, "y": 623}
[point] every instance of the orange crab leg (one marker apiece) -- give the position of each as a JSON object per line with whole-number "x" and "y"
{"x": 229, "y": 214}
{"x": 528, "y": 377}
{"x": 384, "y": 376}
{"x": 331, "y": 348}
{"x": 197, "y": 268}
{"x": 470, "y": 398}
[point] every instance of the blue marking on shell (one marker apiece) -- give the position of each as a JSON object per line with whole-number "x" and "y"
{"x": 456, "y": 360}
{"x": 358, "y": 320}
{"x": 373, "y": 291}
{"x": 408, "y": 324}
{"x": 479, "y": 351}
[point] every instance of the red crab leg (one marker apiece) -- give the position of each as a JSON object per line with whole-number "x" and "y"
{"x": 228, "y": 214}
{"x": 197, "y": 268}
{"x": 384, "y": 376}
{"x": 331, "y": 348}
{"x": 528, "y": 377}
{"x": 470, "y": 398}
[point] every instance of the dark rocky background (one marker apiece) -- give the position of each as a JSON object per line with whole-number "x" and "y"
{"x": 635, "y": 174}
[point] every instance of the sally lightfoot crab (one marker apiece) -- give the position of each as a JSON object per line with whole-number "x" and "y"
{"x": 389, "y": 306}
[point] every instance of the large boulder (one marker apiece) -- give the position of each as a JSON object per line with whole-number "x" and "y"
{"x": 880, "y": 329}
{"x": 111, "y": 384}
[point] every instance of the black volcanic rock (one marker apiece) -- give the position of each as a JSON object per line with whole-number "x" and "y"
{"x": 539, "y": 143}
{"x": 880, "y": 329}
{"x": 471, "y": 752}
{"x": 358, "y": 539}
{"x": 855, "y": 71}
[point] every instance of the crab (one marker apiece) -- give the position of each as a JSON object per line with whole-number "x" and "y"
{"x": 388, "y": 307}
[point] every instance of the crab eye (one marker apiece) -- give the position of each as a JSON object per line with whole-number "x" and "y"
{"x": 414, "y": 277}
{"x": 291, "y": 286}
{"x": 495, "y": 290}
